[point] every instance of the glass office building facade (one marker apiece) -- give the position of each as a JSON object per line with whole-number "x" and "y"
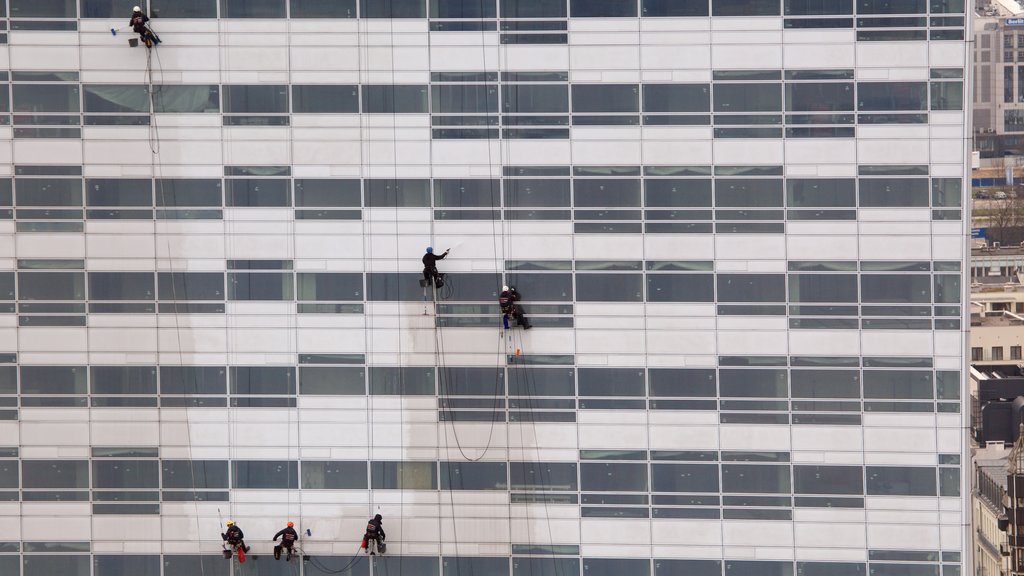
{"x": 738, "y": 225}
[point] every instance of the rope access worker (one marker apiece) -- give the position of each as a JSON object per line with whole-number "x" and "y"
{"x": 288, "y": 537}
{"x": 234, "y": 536}
{"x": 430, "y": 273}
{"x": 374, "y": 533}
{"x": 139, "y": 22}
{"x": 508, "y": 300}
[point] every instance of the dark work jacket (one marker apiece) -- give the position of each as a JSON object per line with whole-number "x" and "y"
{"x": 288, "y": 536}
{"x": 374, "y": 528}
{"x": 507, "y": 300}
{"x": 138, "y": 21}
{"x": 233, "y": 533}
{"x": 430, "y": 259}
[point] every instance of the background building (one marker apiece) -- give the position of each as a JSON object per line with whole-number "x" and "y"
{"x": 738, "y": 227}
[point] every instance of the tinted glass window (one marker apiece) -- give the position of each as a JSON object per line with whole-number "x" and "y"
{"x": 334, "y": 475}
{"x": 819, "y": 97}
{"x": 48, "y": 191}
{"x": 397, "y": 193}
{"x": 534, "y": 98}
{"x": 395, "y": 99}
{"x": 125, "y": 474}
{"x": 891, "y": 6}
{"x": 64, "y": 564}
{"x": 688, "y": 567}
{"x": 325, "y": 99}
{"x": 682, "y": 382}
{"x": 392, "y": 9}
{"x": 252, "y": 8}
{"x": 543, "y": 287}
{"x": 829, "y": 569}
{"x": 758, "y": 568}
{"x": 540, "y": 566}
{"x": 194, "y": 474}
{"x": 463, "y": 9}
{"x": 613, "y": 477}
{"x": 470, "y": 381}
{"x": 751, "y": 287}
{"x": 123, "y": 565}
{"x": 119, "y": 192}
{"x": 886, "y": 192}
{"x": 121, "y": 286}
{"x": 882, "y": 96}
{"x": 602, "y": 8}
{"x": 259, "y": 98}
{"x": 117, "y": 98}
{"x": 390, "y": 286}
{"x": 51, "y": 285}
{"x": 406, "y": 381}
{"x": 537, "y": 193}
{"x": 123, "y": 379}
{"x": 611, "y": 382}
{"x": 677, "y": 97}
{"x": 193, "y": 380}
{"x": 684, "y": 478}
{"x": 330, "y": 286}
{"x": 542, "y": 382}
{"x": 901, "y": 481}
{"x": 898, "y": 384}
{"x": 821, "y": 192}
{"x": 260, "y": 286}
{"x": 459, "y": 565}
{"x": 616, "y": 567}
{"x": 755, "y": 478}
{"x": 467, "y": 193}
{"x": 45, "y": 97}
{"x": 43, "y": 9}
{"x": 254, "y": 192}
{"x": 825, "y": 383}
{"x": 752, "y": 192}
{"x": 332, "y": 380}
{"x": 747, "y": 97}
{"x": 53, "y": 380}
{"x": 55, "y": 474}
{"x": 605, "y": 98}
{"x": 474, "y": 476}
{"x": 328, "y": 193}
{"x": 609, "y": 287}
{"x": 182, "y": 565}
{"x": 680, "y": 193}
{"x": 403, "y": 476}
{"x": 9, "y": 474}
{"x": 828, "y": 479}
{"x": 262, "y": 380}
{"x": 533, "y": 9}
{"x": 323, "y": 9}
{"x": 191, "y": 285}
{"x": 753, "y": 382}
{"x": 190, "y": 192}
{"x": 817, "y": 7}
{"x": 895, "y": 288}
{"x": 464, "y": 99}
{"x": 680, "y": 288}
{"x": 745, "y": 8}
{"x": 171, "y": 98}
{"x": 543, "y": 476}
{"x": 612, "y": 192}
{"x": 822, "y": 287}
{"x": 183, "y": 8}
{"x": 264, "y": 474}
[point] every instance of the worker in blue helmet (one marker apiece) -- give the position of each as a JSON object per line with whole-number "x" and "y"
{"x": 430, "y": 273}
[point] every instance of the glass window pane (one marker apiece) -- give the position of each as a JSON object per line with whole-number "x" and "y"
{"x": 325, "y": 99}
{"x": 121, "y": 286}
{"x": 464, "y": 99}
{"x": 605, "y": 98}
{"x": 474, "y": 476}
{"x": 947, "y": 96}
{"x": 611, "y": 192}
{"x": 898, "y": 384}
{"x": 602, "y": 8}
{"x": 43, "y": 9}
{"x": 829, "y": 569}
{"x": 825, "y": 383}
{"x": 330, "y": 286}
{"x": 609, "y": 287}
{"x": 808, "y": 288}
{"x": 891, "y": 6}
{"x": 533, "y": 9}
{"x": 821, "y": 192}
{"x": 613, "y": 477}
{"x": 684, "y": 478}
{"x": 677, "y": 97}
{"x": 172, "y": 98}
{"x": 6, "y": 286}
{"x": 9, "y": 473}
{"x": 755, "y": 478}
{"x": 753, "y": 382}
{"x": 819, "y": 97}
{"x": 10, "y": 564}
{"x": 900, "y": 481}
{"x": 51, "y": 285}
{"x": 188, "y": 192}
{"x": 537, "y": 193}
{"x": 542, "y": 382}
{"x": 260, "y": 286}
{"x": 323, "y": 8}
{"x": 758, "y": 568}
{"x": 182, "y": 565}
{"x": 119, "y": 192}
{"x": 464, "y": 565}
{"x": 747, "y": 97}
{"x": 949, "y": 481}
{"x": 947, "y": 385}
{"x": 392, "y": 9}
{"x": 543, "y": 476}
{"x": 252, "y": 9}
{"x": 818, "y": 7}
{"x": 403, "y": 475}
{"x": 123, "y": 379}
{"x": 534, "y": 98}
{"x": 611, "y": 382}
{"x": 55, "y": 474}
{"x": 332, "y": 380}
{"x": 397, "y": 193}
{"x": 745, "y": 8}
{"x": 467, "y": 193}
{"x": 259, "y": 98}
{"x": 682, "y": 382}
{"x": 125, "y": 474}
{"x": 463, "y": 9}
{"x": 324, "y": 193}
{"x": 63, "y": 564}
{"x": 680, "y": 288}
{"x": 334, "y": 475}
{"x": 541, "y": 566}
{"x": 395, "y": 98}
{"x": 677, "y": 193}
{"x": 193, "y": 380}
{"x": 53, "y": 380}
{"x": 195, "y": 474}
{"x": 190, "y": 285}
{"x": 883, "y": 96}
{"x": 748, "y": 193}
{"x": 828, "y": 479}
{"x": 125, "y": 565}
{"x": 257, "y": 192}
{"x": 751, "y": 287}
{"x": 264, "y": 474}
{"x": 542, "y": 287}
{"x": 895, "y": 288}
{"x": 616, "y": 567}
{"x": 262, "y": 379}
{"x": 467, "y": 381}
{"x": 405, "y": 381}
{"x": 117, "y": 98}
{"x": 48, "y": 191}
{"x": 391, "y": 286}
{"x": 687, "y": 567}
{"x": 893, "y": 192}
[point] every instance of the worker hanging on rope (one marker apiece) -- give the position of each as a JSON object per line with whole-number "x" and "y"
{"x": 430, "y": 273}
{"x": 288, "y": 537}
{"x": 509, "y": 302}
{"x": 140, "y": 24}
{"x": 234, "y": 537}
{"x": 374, "y": 535}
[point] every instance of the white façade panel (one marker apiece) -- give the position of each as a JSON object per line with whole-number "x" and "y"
{"x": 127, "y": 528}
{"x": 827, "y": 438}
{"x": 122, "y": 339}
{"x": 824, "y": 342}
{"x": 676, "y": 56}
{"x": 947, "y": 54}
{"x": 40, "y": 528}
{"x": 687, "y": 532}
{"x": 50, "y": 246}
{"x": 822, "y": 247}
{"x": 746, "y": 56}
{"x": 610, "y": 531}
{"x": 899, "y": 439}
{"x": 607, "y": 341}
{"x": 743, "y": 247}
{"x": 54, "y": 434}
{"x": 745, "y": 343}
{"x": 894, "y": 247}
{"x": 42, "y": 57}
{"x": 745, "y": 152}
{"x": 949, "y": 343}
{"x": 821, "y": 150}
{"x": 947, "y": 150}
{"x": 684, "y": 437}
{"x": 755, "y": 438}
{"x": 604, "y": 57}
{"x": 748, "y": 533}
{"x": 606, "y": 152}
{"x": 688, "y": 342}
{"x": 893, "y": 151}
{"x": 48, "y": 151}
{"x": 903, "y": 536}
{"x": 52, "y": 339}
{"x": 822, "y": 535}
{"x": 891, "y": 54}
{"x": 896, "y": 343}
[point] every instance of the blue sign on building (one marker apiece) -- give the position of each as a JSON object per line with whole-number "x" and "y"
{"x": 1013, "y": 22}
{"x": 978, "y": 232}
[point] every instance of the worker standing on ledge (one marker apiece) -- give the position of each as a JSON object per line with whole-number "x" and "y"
{"x": 509, "y": 302}
{"x": 430, "y": 273}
